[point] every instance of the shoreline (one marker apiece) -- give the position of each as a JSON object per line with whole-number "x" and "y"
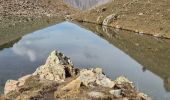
{"x": 144, "y": 20}
{"x": 112, "y": 14}
{"x": 130, "y": 20}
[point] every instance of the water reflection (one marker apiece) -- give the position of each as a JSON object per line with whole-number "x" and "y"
{"x": 152, "y": 53}
{"x": 85, "y": 48}
{"x": 9, "y": 44}
{"x": 86, "y": 4}
{"x": 22, "y": 49}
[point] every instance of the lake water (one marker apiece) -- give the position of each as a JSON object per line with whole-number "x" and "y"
{"x": 85, "y": 48}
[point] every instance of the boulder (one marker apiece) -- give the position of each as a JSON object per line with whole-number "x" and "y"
{"x": 23, "y": 79}
{"x": 104, "y": 81}
{"x": 12, "y": 85}
{"x": 116, "y": 93}
{"x": 143, "y": 96}
{"x": 98, "y": 71}
{"x": 96, "y": 95}
{"x": 109, "y": 19}
{"x": 57, "y": 68}
{"x": 122, "y": 80}
{"x": 56, "y": 73}
{"x": 87, "y": 77}
{"x": 95, "y": 76}
{"x": 58, "y": 58}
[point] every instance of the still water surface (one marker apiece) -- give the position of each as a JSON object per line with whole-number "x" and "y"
{"x": 86, "y": 50}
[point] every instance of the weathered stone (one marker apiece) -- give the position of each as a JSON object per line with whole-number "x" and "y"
{"x": 109, "y": 19}
{"x": 58, "y": 58}
{"x": 91, "y": 77}
{"x": 87, "y": 77}
{"x": 57, "y": 68}
{"x": 116, "y": 93}
{"x": 125, "y": 98}
{"x": 121, "y": 80}
{"x": 143, "y": 96}
{"x": 23, "y": 79}
{"x": 98, "y": 70}
{"x": 95, "y": 94}
{"x": 104, "y": 81}
{"x": 56, "y": 73}
{"x": 10, "y": 85}
{"x": 52, "y": 59}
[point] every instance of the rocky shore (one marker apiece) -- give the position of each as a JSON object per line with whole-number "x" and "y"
{"x": 34, "y": 8}
{"x": 59, "y": 79}
{"x": 149, "y": 17}
{"x": 19, "y": 17}
{"x": 14, "y": 13}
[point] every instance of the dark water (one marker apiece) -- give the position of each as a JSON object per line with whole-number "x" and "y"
{"x": 86, "y": 4}
{"x": 85, "y": 48}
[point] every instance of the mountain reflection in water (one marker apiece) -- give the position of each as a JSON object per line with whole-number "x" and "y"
{"x": 152, "y": 53}
{"x": 148, "y": 68}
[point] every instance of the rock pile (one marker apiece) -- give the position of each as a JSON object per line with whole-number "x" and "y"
{"x": 33, "y": 8}
{"x": 57, "y": 79}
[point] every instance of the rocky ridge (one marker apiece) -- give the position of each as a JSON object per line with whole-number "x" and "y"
{"x": 58, "y": 79}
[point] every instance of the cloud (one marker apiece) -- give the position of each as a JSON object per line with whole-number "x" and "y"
{"x": 22, "y": 49}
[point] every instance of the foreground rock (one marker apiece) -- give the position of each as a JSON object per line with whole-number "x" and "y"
{"x": 57, "y": 79}
{"x": 56, "y": 68}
